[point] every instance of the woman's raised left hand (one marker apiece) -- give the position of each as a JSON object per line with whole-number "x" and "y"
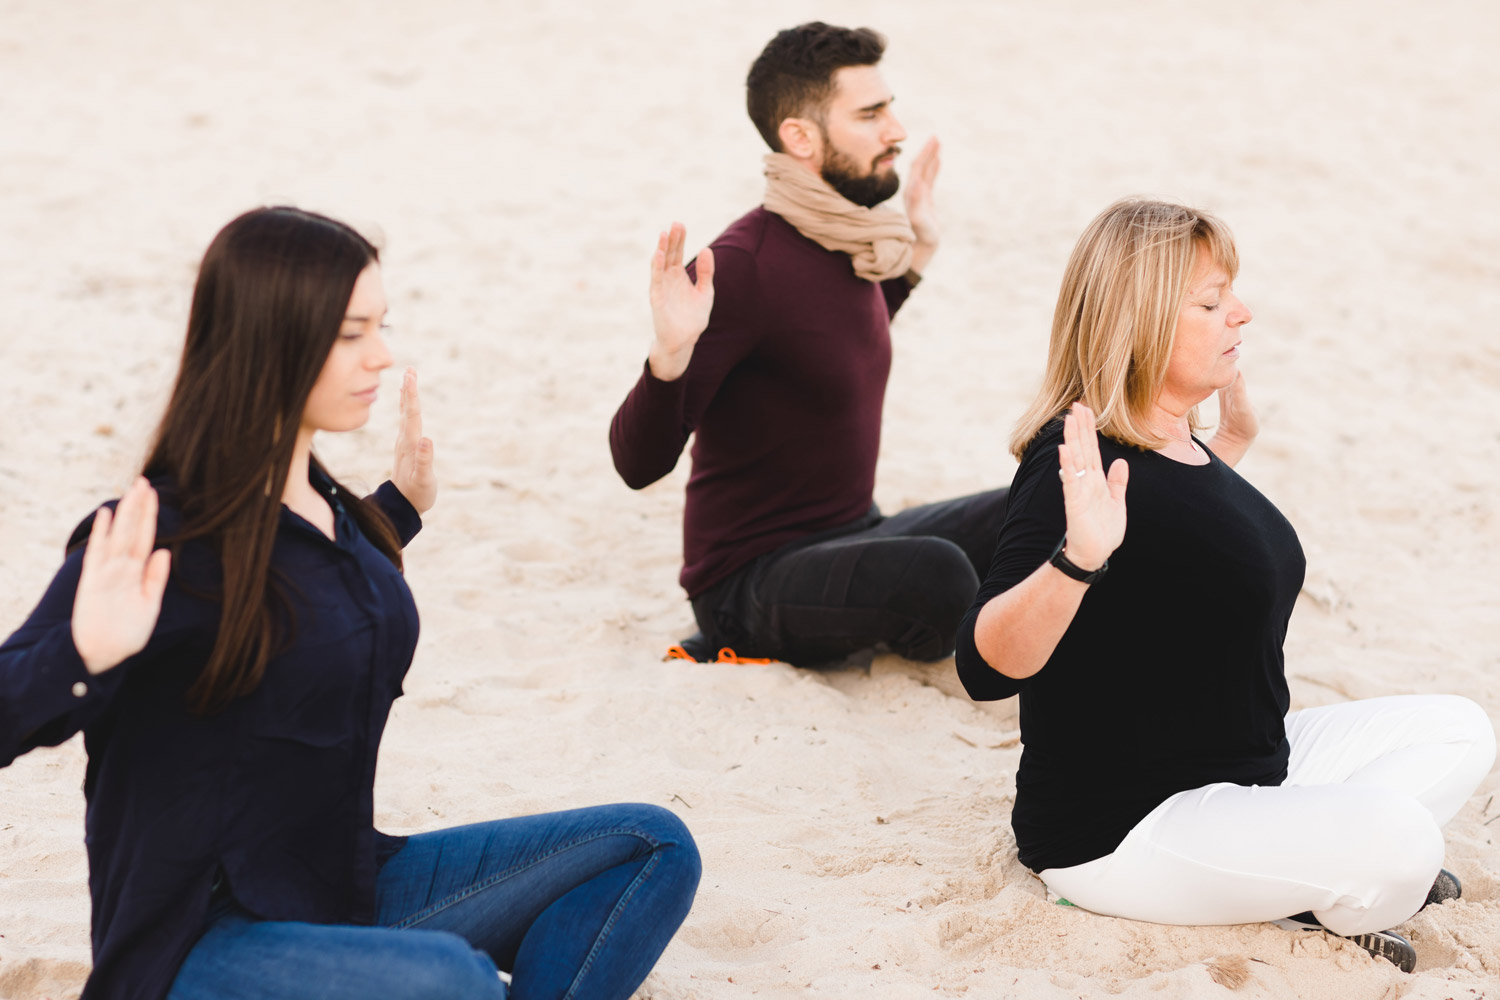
{"x": 413, "y": 474}
{"x": 1238, "y": 423}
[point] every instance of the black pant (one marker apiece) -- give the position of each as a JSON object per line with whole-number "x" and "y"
{"x": 904, "y": 581}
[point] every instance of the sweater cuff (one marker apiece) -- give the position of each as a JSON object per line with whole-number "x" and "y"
{"x": 404, "y": 517}
{"x": 661, "y": 393}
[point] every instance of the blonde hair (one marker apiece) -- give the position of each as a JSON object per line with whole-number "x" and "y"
{"x": 1116, "y": 317}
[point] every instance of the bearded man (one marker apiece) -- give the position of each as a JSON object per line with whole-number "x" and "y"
{"x": 773, "y": 347}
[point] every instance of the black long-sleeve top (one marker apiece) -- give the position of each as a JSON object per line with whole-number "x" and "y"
{"x": 1170, "y": 675}
{"x": 785, "y": 392}
{"x": 274, "y": 794}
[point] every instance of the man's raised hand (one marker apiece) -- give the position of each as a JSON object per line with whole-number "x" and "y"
{"x": 921, "y": 210}
{"x": 679, "y": 306}
{"x": 121, "y": 582}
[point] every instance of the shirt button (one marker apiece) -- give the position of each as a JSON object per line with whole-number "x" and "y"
{"x": 80, "y": 689}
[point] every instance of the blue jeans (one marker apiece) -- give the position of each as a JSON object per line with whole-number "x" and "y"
{"x": 573, "y": 904}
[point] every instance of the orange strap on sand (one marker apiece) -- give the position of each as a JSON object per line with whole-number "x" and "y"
{"x": 726, "y": 655}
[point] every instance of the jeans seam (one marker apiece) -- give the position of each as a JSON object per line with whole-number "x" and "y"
{"x": 472, "y": 889}
{"x": 609, "y": 923}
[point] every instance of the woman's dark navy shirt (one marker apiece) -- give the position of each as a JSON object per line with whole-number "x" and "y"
{"x": 274, "y": 794}
{"x": 1170, "y": 675}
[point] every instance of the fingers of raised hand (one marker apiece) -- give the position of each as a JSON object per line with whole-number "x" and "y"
{"x": 158, "y": 569}
{"x": 676, "y": 237}
{"x": 705, "y": 270}
{"x": 133, "y": 526}
{"x": 411, "y": 404}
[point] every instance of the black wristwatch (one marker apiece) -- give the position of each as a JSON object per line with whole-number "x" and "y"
{"x": 1069, "y": 569}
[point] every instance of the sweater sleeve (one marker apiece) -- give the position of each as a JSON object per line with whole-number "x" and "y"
{"x": 651, "y": 427}
{"x": 1034, "y": 521}
{"x": 896, "y": 290}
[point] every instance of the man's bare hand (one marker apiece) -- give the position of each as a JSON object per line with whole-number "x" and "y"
{"x": 679, "y": 306}
{"x": 921, "y": 209}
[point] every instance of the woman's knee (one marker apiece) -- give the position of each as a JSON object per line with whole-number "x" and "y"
{"x": 1404, "y": 840}
{"x": 1472, "y": 724}
{"x": 667, "y": 836}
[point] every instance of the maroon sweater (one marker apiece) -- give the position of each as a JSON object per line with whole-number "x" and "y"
{"x": 784, "y": 391}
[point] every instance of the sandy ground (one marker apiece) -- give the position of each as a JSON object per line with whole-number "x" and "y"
{"x": 518, "y": 159}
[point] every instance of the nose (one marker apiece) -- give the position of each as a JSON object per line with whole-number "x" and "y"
{"x": 379, "y": 356}
{"x": 1240, "y": 314}
{"x": 894, "y": 133}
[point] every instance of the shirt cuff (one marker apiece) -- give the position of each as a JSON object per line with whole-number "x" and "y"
{"x": 404, "y": 517}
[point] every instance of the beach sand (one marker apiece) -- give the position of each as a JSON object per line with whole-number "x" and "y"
{"x": 517, "y": 162}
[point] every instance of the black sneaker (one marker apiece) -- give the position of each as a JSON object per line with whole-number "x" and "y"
{"x": 1390, "y": 946}
{"x": 1445, "y": 887}
{"x": 1381, "y": 944}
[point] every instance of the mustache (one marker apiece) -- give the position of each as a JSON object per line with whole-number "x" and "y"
{"x": 889, "y": 151}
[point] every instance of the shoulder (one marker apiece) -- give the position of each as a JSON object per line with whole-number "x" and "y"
{"x": 746, "y": 234}
{"x": 169, "y": 516}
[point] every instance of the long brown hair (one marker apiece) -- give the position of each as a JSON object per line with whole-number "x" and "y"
{"x": 1116, "y": 317}
{"x": 270, "y": 298}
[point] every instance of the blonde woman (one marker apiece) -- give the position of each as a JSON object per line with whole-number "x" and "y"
{"x": 1162, "y": 778}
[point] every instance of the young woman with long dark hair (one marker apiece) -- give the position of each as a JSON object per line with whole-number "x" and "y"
{"x": 232, "y": 686}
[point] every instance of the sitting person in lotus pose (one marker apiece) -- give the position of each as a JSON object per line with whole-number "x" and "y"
{"x": 232, "y": 688}
{"x": 1162, "y": 778}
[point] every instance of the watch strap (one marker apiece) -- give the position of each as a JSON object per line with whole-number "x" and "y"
{"x": 1071, "y": 569}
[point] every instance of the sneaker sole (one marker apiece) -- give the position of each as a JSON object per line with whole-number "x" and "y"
{"x": 1392, "y": 947}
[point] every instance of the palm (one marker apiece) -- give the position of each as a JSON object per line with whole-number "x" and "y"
{"x": 1237, "y": 418}
{"x": 680, "y": 307}
{"x": 1093, "y": 502}
{"x": 413, "y": 474}
{"x": 121, "y": 582}
{"x": 921, "y": 209}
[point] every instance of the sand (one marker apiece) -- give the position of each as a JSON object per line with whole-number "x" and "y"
{"x": 518, "y": 161}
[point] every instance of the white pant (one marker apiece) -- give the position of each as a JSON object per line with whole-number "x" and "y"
{"x": 1352, "y": 835}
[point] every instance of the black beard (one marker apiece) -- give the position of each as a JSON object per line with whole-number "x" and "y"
{"x": 868, "y": 190}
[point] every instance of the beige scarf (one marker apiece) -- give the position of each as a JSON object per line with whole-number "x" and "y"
{"x": 879, "y": 240}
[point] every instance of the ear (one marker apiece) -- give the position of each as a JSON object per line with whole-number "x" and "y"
{"x": 801, "y": 139}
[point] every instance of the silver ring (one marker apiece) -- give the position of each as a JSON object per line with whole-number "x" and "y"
{"x": 1080, "y": 473}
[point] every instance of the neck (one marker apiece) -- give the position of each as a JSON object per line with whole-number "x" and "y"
{"x": 296, "y": 476}
{"x": 1170, "y": 419}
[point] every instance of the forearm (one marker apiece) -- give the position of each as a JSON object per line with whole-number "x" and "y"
{"x": 1228, "y": 449}
{"x": 921, "y": 256}
{"x": 1016, "y": 631}
{"x": 647, "y": 433}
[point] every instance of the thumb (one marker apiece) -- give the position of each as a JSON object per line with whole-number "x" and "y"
{"x": 1119, "y": 476}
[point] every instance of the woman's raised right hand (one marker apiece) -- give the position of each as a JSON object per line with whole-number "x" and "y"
{"x": 1094, "y": 502}
{"x": 679, "y": 306}
{"x": 121, "y": 582}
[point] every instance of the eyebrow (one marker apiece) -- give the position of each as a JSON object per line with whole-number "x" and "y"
{"x": 877, "y": 105}
{"x": 363, "y": 319}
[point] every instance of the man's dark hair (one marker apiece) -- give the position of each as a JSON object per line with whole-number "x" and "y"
{"x": 793, "y": 75}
